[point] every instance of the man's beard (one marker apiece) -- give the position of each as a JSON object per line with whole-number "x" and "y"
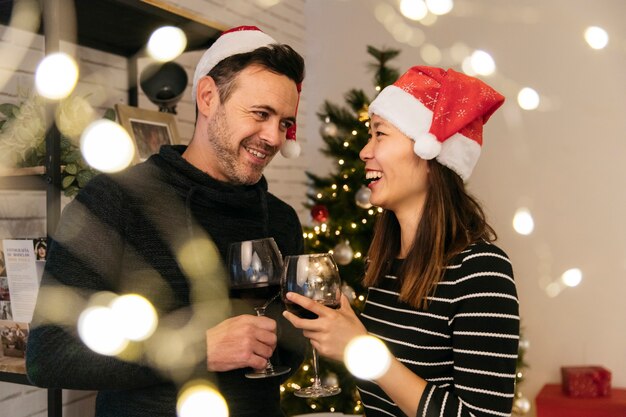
{"x": 227, "y": 152}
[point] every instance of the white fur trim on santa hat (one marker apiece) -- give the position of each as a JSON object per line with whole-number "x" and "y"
{"x": 460, "y": 154}
{"x": 290, "y": 149}
{"x": 408, "y": 115}
{"x": 427, "y": 146}
{"x": 228, "y": 44}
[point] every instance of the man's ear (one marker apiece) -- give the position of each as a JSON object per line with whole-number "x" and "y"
{"x": 207, "y": 95}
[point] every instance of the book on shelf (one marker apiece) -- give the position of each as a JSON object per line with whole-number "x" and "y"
{"x": 21, "y": 267}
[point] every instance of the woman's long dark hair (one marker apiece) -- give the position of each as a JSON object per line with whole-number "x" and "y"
{"x": 452, "y": 219}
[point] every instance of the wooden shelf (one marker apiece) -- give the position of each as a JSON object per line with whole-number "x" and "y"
{"x": 123, "y": 27}
{"x": 31, "y": 178}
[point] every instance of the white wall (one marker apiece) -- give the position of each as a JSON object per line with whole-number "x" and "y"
{"x": 564, "y": 162}
{"x": 22, "y": 214}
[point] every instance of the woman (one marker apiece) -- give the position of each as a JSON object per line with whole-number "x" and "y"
{"x": 441, "y": 295}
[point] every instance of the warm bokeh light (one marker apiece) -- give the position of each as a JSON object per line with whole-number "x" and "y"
{"x": 136, "y": 315}
{"x": 596, "y": 37}
{"x": 430, "y": 54}
{"x": 56, "y": 76}
{"x": 367, "y": 357}
{"x": 523, "y": 222}
{"x": 482, "y": 63}
{"x": 439, "y": 7}
{"x": 572, "y": 277}
{"x": 528, "y": 99}
{"x": 553, "y": 289}
{"x": 167, "y": 43}
{"x": 98, "y": 329}
{"x": 200, "y": 399}
{"x": 106, "y": 146}
{"x": 459, "y": 51}
{"x": 26, "y": 15}
{"x": 413, "y": 9}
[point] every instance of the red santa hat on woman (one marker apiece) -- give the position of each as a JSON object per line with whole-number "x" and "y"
{"x": 239, "y": 40}
{"x": 442, "y": 111}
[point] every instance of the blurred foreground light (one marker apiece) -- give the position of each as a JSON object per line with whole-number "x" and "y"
{"x": 167, "y": 43}
{"x": 26, "y": 15}
{"x": 56, "y": 76}
{"x": 136, "y": 316}
{"x": 439, "y": 7}
{"x": 199, "y": 399}
{"x": 413, "y": 9}
{"x": 97, "y": 328}
{"x": 596, "y": 37}
{"x": 367, "y": 357}
{"x": 482, "y": 63}
{"x": 572, "y": 277}
{"x": 107, "y": 146}
{"x": 523, "y": 222}
{"x": 528, "y": 99}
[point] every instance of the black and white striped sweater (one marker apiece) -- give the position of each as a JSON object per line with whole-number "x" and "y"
{"x": 464, "y": 345}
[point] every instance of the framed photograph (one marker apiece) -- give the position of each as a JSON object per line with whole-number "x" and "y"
{"x": 149, "y": 129}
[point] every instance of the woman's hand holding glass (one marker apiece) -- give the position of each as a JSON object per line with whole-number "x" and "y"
{"x": 333, "y": 329}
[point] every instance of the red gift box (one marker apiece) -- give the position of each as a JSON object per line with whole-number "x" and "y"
{"x": 585, "y": 381}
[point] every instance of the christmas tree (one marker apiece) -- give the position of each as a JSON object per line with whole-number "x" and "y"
{"x": 343, "y": 224}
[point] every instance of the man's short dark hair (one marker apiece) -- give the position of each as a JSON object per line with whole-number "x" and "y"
{"x": 277, "y": 58}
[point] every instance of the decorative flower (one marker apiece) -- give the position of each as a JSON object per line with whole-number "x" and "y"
{"x": 73, "y": 115}
{"x": 23, "y": 133}
{"x": 22, "y": 130}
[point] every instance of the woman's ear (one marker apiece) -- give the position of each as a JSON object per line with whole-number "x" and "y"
{"x": 207, "y": 95}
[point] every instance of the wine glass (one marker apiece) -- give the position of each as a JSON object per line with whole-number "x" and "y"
{"x": 256, "y": 264}
{"x": 315, "y": 276}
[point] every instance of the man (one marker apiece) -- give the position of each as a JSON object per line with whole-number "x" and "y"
{"x": 153, "y": 229}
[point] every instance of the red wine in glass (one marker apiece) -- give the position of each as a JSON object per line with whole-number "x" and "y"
{"x": 303, "y": 312}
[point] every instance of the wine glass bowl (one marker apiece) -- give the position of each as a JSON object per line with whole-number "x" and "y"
{"x": 256, "y": 264}
{"x": 314, "y": 276}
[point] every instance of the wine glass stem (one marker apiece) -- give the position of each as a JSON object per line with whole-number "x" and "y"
{"x": 260, "y": 311}
{"x": 316, "y": 376}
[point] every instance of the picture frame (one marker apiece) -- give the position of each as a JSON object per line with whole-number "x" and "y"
{"x": 149, "y": 129}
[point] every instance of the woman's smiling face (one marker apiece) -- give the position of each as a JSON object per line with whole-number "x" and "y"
{"x": 397, "y": 177}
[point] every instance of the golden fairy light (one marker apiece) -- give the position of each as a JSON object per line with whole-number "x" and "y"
{"x": 523, "y": 222}
{"x": 98, "y": 329}
{"x": 199, "y": 399}
{"x": 166, "y": 43}
{"x": 56, "y": 76}
{"x": 106, "y": 146}
{"x": 528, "y": 99}
{"x": 367, "y": 357}
{"x": 596, "y": 37}
{"x": 136, "y": 315}
{"x": 572, "y": 277}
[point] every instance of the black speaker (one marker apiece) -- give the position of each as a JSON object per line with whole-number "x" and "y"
{"x": 164, "y": 84}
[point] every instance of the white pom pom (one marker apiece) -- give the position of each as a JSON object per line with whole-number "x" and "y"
{"x": 427, "y": 146}
{"x": 290, "y": 149}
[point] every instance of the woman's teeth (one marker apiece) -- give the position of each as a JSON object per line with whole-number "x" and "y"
{"x": 372, "y": 176}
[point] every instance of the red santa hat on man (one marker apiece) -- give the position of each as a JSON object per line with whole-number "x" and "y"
{"x": 442, "y": 111}
{"x": 239, "y": 40}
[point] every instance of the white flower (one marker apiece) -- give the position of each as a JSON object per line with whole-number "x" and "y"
{"x": 23, "y": 131}
{"x": 73, "y": 115}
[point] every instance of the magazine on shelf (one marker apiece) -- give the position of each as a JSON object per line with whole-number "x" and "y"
{"x": 21, "y": 268}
